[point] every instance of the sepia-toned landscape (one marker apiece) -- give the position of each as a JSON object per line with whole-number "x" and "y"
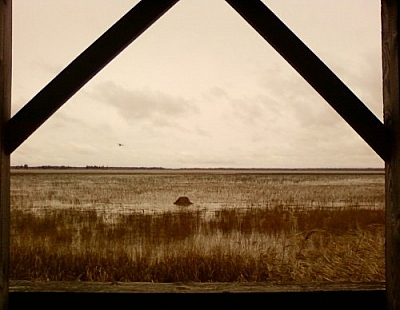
{"x": 243, "y": 225}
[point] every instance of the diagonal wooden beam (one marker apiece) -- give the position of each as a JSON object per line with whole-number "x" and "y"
{"x": 82, "y": 69}
{"x": 316, "y": 73}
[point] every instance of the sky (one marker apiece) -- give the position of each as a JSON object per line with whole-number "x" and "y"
{"x": 199, "y": 89}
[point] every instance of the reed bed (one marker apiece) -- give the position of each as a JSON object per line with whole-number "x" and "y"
{"x": 232, "y": 245}
{"x": 241, "y": 227}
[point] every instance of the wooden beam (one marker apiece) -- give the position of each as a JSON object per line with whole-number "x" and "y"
{"x": 391, "y": 102}
{"x": 316, "y": 73}
{"x": 5, "y": 110}
{"x": 82, "y": 69}
{"x": 178, "y": 299}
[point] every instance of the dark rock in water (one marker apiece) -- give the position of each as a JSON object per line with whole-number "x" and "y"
{"x": 183, "y": 201}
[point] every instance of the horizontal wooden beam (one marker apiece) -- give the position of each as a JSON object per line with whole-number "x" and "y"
{"x": 25, "y": 286}
{"x": 318, "y": 299}
{"x": 316, "y": 73}
{"x": 82, "y": 69}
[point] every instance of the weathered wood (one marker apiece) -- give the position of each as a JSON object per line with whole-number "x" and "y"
{"x": 5, "y": 110}
{"x": 190, "y": 287}
{"x": 81, "y": 295}
{"x": 390, "y": 68}
{"x": 82, "y": 69}
{"x": 316, "y": 73}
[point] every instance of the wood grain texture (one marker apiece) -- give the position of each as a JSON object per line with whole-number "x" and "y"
{"x": 190, "y": 287}
{"x": 390, "y": 67}
{"x": 118, "y": 295}
{"x": 5, "y": 109}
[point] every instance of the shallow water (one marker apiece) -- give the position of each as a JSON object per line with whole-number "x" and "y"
{"x": 116, "y": 193}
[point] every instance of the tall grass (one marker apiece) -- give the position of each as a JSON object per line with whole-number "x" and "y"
{"x": 242, "y": 227}
{"x": 250, "y": 244}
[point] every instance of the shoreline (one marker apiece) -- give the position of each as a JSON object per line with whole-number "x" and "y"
{"x": 132, "y": 170}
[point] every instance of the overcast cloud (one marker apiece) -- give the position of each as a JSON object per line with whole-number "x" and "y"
{"x": 200, "y": 88}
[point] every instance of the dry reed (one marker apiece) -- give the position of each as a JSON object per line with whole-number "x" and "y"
{"x": 242, "y": 227}
{"x": 234, "y": 245}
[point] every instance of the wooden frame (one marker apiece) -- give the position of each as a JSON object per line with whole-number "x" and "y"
{"x": 5, "y": 112}
{"x": 383, "y": 138}
{"x": 391, "y": 104}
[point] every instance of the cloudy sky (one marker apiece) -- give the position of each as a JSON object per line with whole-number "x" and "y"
{"x": 200, "y": 88}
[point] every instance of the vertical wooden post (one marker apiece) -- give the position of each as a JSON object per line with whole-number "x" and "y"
{"x": 391, "y": 102}
{"x": 5, "y": 110}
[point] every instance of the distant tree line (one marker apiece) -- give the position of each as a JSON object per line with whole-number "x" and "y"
{"x": 41, "y": 167}
{"x": 91, "y": 167}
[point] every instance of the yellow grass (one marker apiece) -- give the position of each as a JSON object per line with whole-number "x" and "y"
{"x": 242, "y": 227}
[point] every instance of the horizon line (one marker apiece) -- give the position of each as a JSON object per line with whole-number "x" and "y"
{"x": 95, "y": 167}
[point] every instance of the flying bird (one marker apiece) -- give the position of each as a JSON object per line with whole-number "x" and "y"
{"x": 120, "y": 144}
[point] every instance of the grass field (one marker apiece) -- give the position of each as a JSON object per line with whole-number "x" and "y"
{"x": 242, "y": 226}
